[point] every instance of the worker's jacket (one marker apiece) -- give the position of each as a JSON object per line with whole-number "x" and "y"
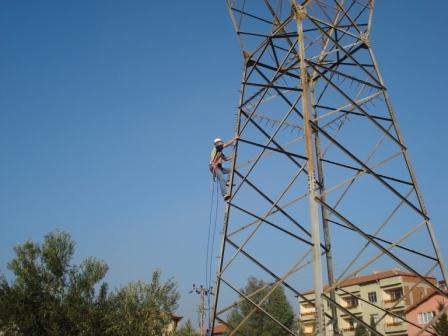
{"x": 216, "y": 157}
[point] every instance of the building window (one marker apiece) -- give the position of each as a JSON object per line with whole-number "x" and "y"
{"x": 399, "y": 318}
{"x": 396, "y": 320}
{"x": 308, "y": 329}
{"x": 394, "y": 295}
{"x": 424, "y": 318}
{"x": 351, "y": 302}
{"x": 349, "y": 325}
{"x": 372, "y": 296}
{"x": 374, "y": 320}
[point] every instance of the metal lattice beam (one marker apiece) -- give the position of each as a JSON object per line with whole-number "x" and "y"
{"x": 320, "y": 162}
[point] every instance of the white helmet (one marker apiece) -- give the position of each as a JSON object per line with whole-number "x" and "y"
{"x": 217, "y": 140}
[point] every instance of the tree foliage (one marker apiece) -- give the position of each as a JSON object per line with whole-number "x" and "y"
{"x": 49, "y": 295}
{"x": 360, "y": 330}
{"x": 258, "y": 324}
{"x": 140, "y": 307}
{"x": 441, "y": 326}
{"x": 186, "y": 330}
{"x": 372, "y": 324}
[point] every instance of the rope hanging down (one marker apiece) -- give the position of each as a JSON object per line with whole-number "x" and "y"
{"x": 213, "y": 218}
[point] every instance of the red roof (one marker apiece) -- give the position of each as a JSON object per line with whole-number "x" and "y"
{"x": 219, "y": 329}
{"x": 371, "y": 277}
{"x": 176, "y": 317}
{"x": 423, "y": 299}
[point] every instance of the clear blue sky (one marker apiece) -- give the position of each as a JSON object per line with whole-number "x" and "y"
{"x": 108, "y": 110}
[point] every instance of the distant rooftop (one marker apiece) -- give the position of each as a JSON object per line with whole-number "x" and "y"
{"x": 358, "y": 280}
{"x": 424, "y": 298}
{"x": 176, "y": 317}
{"x": 219, "y": 329}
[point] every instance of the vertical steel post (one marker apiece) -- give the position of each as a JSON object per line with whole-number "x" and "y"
{"x": 325, "y": 224}
{"x": 300, "y": 13}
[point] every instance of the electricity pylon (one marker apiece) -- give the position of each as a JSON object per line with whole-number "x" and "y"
{"x": 323, "y": 184}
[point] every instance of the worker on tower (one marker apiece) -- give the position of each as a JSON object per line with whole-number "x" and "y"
{"x": 216, "y": 168}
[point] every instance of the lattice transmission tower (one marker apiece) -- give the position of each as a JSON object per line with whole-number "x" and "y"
{"x": 322, "y": 186}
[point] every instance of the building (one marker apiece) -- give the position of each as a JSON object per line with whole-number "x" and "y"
{"x": 219, "y": 330}
{"x": 367, "y": 297}
{"x": 422, "y": 312}
{"x": 173, "y": 324}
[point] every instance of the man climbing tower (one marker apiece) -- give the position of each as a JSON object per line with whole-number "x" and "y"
{"x": 216, "y": 168}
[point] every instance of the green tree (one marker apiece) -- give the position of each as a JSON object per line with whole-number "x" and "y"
{"x": 258, "y": 324}
{"x": 186, "y": 330}
{"x": 142, "y": 309}
{"x": 372, "y": 324}
{"x": 360, "y": 330}
{"x": 48, "y": 295}
{"x": 441, "y": 326}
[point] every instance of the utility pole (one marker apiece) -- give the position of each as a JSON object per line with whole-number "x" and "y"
{"x": 203, "y": 293}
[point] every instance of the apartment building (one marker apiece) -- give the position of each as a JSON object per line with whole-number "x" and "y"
{"x": 365, "y": 296}
{"x": 423, "y": 312}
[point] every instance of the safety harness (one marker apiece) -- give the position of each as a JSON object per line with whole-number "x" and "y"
{"x": 215, "y": 160}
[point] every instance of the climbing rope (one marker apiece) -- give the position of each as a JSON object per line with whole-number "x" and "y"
{"x": 212, "y": 250}
{"x": 207, "y": 261}
{"x": 212, "y": 253}
{"x": 213, "y": 220}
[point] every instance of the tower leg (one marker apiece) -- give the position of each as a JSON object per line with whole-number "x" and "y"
{"x": 311, "y": 165}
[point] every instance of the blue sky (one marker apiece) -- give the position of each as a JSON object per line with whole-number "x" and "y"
{"x": 108, "y": 110}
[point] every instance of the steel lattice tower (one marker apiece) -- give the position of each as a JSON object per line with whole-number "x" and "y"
{"x": 323, "y": 183}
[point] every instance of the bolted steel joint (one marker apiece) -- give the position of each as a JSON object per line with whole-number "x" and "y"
{"x": 298, "y": 11}
{"x": 365, "y": 39}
